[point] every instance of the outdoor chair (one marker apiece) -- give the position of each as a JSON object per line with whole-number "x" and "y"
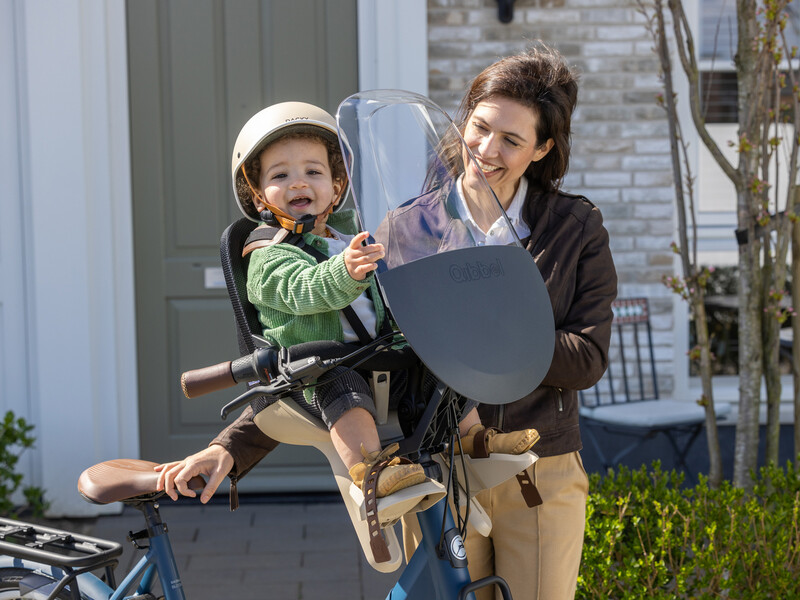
{"x": 626, "y": 401}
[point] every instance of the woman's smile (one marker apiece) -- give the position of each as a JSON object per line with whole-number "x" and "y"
{"x": 486, "y": 167}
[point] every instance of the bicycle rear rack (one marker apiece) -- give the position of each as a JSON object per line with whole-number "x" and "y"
{"x": 73, "y": 553}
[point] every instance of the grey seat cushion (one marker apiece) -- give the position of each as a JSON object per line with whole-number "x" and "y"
{"x": 652, "y": 413}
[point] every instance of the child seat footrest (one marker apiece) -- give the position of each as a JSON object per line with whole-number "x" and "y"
{"x": 411, "y": 499}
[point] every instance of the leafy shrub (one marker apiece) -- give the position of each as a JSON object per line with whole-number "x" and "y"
{"x": 647, "y": 536}
{"x": 15, "y": 438}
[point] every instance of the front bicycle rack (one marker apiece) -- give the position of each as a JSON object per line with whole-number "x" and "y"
{"x": 74, "y": 554}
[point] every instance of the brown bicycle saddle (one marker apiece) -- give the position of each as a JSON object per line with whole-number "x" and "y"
{"x": 123, "y": 479}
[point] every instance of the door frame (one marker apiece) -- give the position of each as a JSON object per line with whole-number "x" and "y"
{"x": 74, "y": 216}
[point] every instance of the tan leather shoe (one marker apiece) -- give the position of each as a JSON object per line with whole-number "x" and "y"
{"x": 480, "y": 442}
{"x": 395, "y": 475}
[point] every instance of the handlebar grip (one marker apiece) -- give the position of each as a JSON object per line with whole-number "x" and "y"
{"x": 208, "y": 379}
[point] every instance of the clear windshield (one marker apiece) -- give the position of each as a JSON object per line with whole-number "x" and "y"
{"x": 416, "y": 185}
{"x": 462, "y": 289}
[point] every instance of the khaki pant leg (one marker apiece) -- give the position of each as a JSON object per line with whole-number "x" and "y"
{"x": 538, "y": 550}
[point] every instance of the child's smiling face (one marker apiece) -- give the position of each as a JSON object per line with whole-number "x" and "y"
{"x": 296, "y": 177}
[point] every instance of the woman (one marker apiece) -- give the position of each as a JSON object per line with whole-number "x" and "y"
{"x": 516, "y": 119}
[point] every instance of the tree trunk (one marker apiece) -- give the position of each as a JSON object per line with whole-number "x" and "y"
{"x": 750, "y": 357}
{"x": 772, "y": 376}
{"x": 707, "y": 401}
{"x": 796, "y": 336}
{"x": 747, "y": 208}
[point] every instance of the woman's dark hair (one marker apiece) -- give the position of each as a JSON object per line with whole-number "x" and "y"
{"x": 540, "y": 79}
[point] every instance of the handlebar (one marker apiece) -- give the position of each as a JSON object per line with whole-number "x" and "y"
{"x": 261, "y": 365}
{"x": 278, "y": 371}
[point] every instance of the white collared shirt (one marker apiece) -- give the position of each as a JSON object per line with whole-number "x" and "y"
{"x": 498, "y": 233}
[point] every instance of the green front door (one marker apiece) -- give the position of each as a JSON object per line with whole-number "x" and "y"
{"x": 198, "y": 70}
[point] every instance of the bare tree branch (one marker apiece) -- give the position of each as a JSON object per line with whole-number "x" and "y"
{"x": 684, "y": 43}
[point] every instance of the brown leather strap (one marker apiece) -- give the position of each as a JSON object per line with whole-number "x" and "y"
{"x": 480, "y": 444}
{"x": 254, "y": 242}
{"x": 233, "y": 495}
{"x": 528, "y": 489}
{"x": 377, "y": 543}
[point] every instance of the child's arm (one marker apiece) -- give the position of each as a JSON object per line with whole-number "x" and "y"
{"x": 287, "y": 279}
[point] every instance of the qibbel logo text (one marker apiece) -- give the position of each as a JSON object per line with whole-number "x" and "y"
{"x": 474, "y": 271}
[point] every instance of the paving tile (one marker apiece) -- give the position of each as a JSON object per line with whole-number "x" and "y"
{"x": 195, "y": 548}
{"x": 375, "y": 584}
{"x": 272, "y": 561}
{"x": 331, "y": 590}
{"x": 233, "y": 577}
{"x": 223, "y": 591}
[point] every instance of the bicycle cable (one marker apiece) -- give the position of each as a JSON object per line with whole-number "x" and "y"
{"x": 452, "y": 475}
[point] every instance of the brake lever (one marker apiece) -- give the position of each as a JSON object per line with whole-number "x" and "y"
{"x": 291, "y": 376}
{"x": 273, "y": 389}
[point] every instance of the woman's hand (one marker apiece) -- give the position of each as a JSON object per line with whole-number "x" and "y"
{"x": 361, "y": 260}
{"x": 215, "y": 462}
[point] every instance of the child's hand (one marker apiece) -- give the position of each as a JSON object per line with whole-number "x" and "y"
{"x": 360, "y": 260}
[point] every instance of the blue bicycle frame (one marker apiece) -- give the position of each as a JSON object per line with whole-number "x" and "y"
{"x": 53, "y": 572}
{"x": 438, "y": 568}
{"x": 158, "y": 559}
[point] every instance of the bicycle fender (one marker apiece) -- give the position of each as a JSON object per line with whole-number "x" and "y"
{"x": 90, "y": 585}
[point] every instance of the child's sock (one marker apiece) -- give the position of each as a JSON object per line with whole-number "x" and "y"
{"x": 481, "y": 442}
{"x": 395, "y": 476}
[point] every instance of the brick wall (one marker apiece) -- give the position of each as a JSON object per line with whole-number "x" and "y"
{"x": 620, "y": 156}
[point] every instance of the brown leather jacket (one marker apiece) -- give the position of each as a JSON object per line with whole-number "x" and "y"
{"x": 570, "y": 247}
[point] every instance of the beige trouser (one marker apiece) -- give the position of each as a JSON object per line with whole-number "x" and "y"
{"x": 536, "y": 550}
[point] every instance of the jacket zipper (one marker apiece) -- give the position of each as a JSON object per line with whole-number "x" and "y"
{"x": 560, "y": 400}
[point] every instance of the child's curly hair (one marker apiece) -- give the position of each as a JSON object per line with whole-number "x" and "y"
{"x": 252, "y": 165}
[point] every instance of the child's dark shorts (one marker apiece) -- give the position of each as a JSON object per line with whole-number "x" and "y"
{"x": 350, "y": 390}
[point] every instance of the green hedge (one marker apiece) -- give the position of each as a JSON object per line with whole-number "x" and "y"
{"x": 647, "y": 536}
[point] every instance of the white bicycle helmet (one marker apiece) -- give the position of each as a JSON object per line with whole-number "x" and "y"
{"x": 265, "y": 127}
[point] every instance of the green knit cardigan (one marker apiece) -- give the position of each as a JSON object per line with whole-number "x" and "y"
{"x": 298, "y": 299}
